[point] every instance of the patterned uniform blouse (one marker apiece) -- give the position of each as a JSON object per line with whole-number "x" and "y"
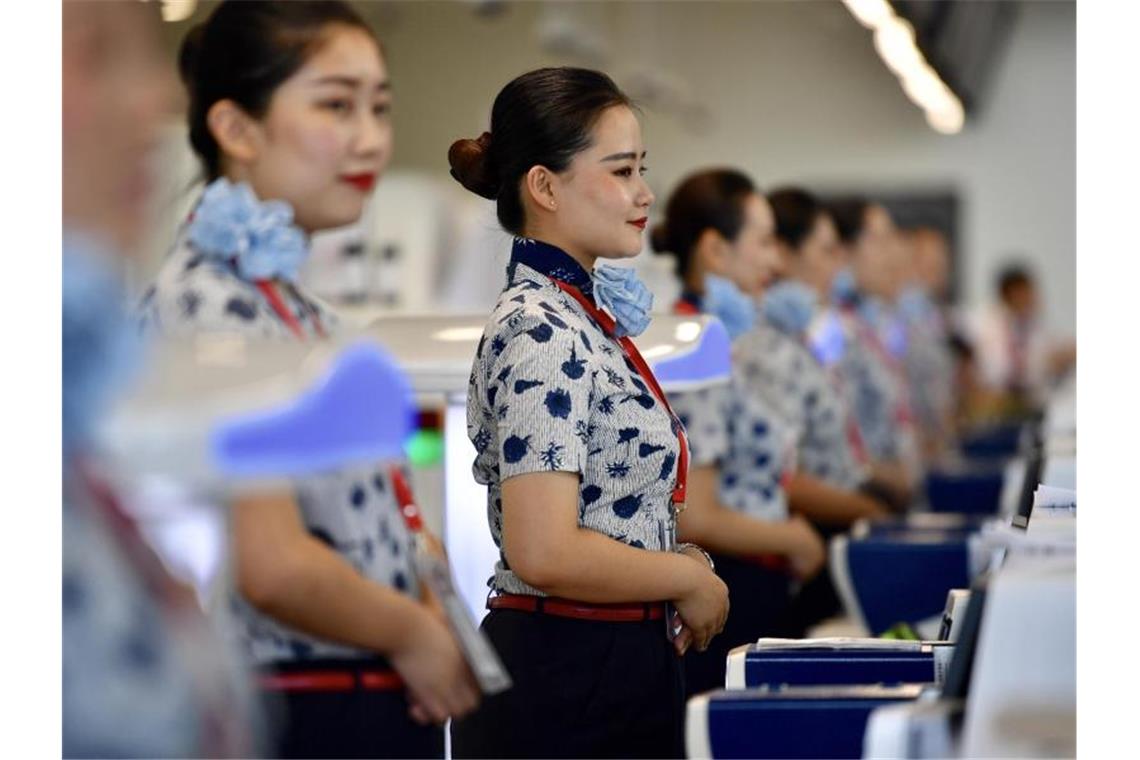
{"x": 144, "y": 673}
{"x": 930, "y": 374}
{"x": 354, "y": 511}
{"x": 551, "y": 392}
{"x": 752, "y": 446}
{"x": 876, "y": 392}
{"x": 778, "y": 368}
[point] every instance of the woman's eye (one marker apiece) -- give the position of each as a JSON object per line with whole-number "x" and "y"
{"x": 338, "y": 106}
{"x": 643, "y": 170}
{"x": 626, "y": 172}
{"x": 381, "y": 109}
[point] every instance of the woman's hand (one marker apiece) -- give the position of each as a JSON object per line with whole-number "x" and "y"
{"x": 703, "y": 609}
{"x": 808, "y": 553}
{"x": 439, "y": 682}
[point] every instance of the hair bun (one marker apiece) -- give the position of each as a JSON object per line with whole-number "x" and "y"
{"x": 471, "y": 166}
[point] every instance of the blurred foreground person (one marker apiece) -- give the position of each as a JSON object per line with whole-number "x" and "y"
{"x": 290, "y": 117}
{"x": 143, "y": 676}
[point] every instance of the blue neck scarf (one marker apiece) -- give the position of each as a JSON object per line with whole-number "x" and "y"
{"x": 789, "y": 305}
{"x": 258, "y": 238}
{"x": 616, "y": 289}
{"x": 730, "y": 305}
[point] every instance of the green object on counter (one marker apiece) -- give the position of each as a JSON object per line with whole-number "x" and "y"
{"x": 424, "y": 448}
{"x": 901, "y": 632}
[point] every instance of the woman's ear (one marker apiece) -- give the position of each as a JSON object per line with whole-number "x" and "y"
{"x": 539, "y": 183}
{"x": 712, "y": 252}
{"x": 236, "y": 133}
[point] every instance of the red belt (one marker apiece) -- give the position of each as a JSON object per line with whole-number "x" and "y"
{"x": 612, "y": 613}
{"x": 332, "y": 680}
{"x": 777, "y": 562}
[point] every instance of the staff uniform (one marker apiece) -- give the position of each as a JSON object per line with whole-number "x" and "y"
{"x": 929, "y": 368}
{"x": 876, "y": 392}
{"x": 553, "y": 391}
{"x": 144, "y": 674}
{"x": 779, "y": 368}
{"x": 753, "y": 449}
{"x": 340, "y": 701}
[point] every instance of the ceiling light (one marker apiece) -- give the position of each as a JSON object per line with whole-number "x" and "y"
{"x": 949, "y": 119}
{"x": 178, "y": 10}
{"x": 894, "y": 40}
{"x": 870, "y": 13}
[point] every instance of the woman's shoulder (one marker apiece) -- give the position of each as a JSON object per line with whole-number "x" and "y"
{"x": 194, "y": 290}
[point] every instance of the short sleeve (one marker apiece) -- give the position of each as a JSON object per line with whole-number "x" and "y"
{"x": 539, "y": 390}
{"x": 704, "y": 415}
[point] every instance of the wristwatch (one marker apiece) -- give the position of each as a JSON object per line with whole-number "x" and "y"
{"x": 686, "y": 545}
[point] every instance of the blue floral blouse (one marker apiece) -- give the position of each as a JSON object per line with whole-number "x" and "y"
{"x": 354, "y": 511}
{"x": 550, "y": 391}
{"x": 740, "y": 433}
{"x": 778, "y": 368}
{"x": 876, "y": 392}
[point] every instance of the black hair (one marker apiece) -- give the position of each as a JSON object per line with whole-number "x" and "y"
{"x": 543, "y": 117}
{"x": 710, "y": 199}
{"x": 1012, "y": 276}
{"x": 244, "y": 51}
{"x": 796, "y": 211}
{"x": 850, "y": 217}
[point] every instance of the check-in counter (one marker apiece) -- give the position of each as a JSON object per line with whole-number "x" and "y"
{"x": 776, "y": 664}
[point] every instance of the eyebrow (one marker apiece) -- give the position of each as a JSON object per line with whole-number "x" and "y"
{"x": 630, "y": 156}
{"x": 353, "y": 82}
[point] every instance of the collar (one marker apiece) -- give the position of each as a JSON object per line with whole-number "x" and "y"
{"x": 551, "y": 261}
{"x": 690, "y": 302}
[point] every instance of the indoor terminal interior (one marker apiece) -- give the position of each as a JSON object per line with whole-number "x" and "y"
{"x": 488, "y": 378}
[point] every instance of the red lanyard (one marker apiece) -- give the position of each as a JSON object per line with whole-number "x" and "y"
{"x": 408, "y": 509}
{"x": 870, "y": 336}
{"x": 606, "y": 322}
{"x": 269, "y": 289}
{"x": 102, "y": 498}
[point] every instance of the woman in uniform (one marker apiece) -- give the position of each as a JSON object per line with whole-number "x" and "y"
{"x": 785, "y": 370}
{"x": 871, "y": 376}
{"x": 584, "y": 461}
{"x": 742, "y": 470}
{"x": 288, "y": 112}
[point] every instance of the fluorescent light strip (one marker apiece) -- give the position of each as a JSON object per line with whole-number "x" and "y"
{"x": 896, "y": 46}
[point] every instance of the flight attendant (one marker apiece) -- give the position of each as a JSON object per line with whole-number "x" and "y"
{"x": 585, "y": 463}
{"x": 743, "y": 471}
{"x": 871, "y": 376}
{"x": 289, "y": 114}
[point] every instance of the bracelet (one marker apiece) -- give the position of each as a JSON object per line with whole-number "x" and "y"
{"x": 686, "y": 545}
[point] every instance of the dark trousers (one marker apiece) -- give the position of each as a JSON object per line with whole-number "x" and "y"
{"x": 581, "y": 689}
{"x": 758, "y": 600}
{"x": 357, "y": 723}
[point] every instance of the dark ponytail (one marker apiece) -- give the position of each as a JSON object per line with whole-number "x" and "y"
{"x": 543, "y": 117}
{"x": 796, "y": 211}
{"x": 850, "y": 216}
{"x": 711, "y": 199}
{"x": 244, "y": 51}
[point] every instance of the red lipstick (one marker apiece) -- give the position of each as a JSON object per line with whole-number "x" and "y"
{"x": 362, "y": 182}
{"x": 640, "y": 223}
